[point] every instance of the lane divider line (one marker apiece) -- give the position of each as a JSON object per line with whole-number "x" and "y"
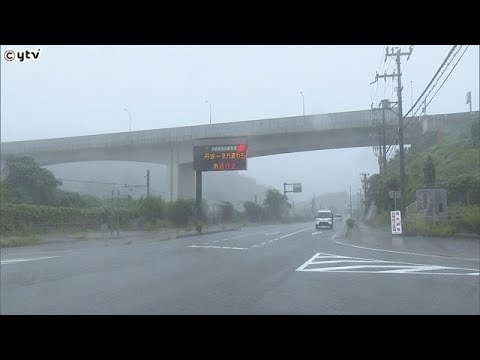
{"x": 13, "y": 261}
{"x": 296, "y": 232}
{"x": 217, "y": 247}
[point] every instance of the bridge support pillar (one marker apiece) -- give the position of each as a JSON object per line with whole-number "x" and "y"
{"x": 180, "y": 181}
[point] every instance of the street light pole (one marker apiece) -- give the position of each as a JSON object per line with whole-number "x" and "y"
{"x": 303, "y": 103}
{"x": 210, "y": 111}
{"x": 130, "y": 116}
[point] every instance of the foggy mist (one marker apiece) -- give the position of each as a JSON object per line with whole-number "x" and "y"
{"x": 83, "y": 90}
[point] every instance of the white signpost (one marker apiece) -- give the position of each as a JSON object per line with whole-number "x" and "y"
{"x": 396, "y": 222}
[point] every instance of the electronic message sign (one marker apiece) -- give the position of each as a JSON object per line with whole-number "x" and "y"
{"x": 220, "y": 154}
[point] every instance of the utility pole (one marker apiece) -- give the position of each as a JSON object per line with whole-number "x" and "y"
{"x": 385, "y": 105}
{"x": 198, "y": 200}
{"x": 148, "y": 182}
{"x": 351, "y": 202}
{"x": 397, "y": 54}
{"x": 112, "y": 199}
{"x": 364, "y": 183}
{"x": 359, "y": 196}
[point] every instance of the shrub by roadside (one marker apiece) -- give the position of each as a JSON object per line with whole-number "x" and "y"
{"x": 11, "y": 241}
{"x": 350, "y": 223}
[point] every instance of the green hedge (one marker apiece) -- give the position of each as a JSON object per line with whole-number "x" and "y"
{"x": 20, "y": 218}
{"x": 464, "y": 218}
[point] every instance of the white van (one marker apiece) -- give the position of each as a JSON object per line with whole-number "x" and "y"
{"x": 324, "y": 219}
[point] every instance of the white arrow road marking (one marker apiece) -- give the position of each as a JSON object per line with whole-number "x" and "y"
{"x": 14, "y": 261}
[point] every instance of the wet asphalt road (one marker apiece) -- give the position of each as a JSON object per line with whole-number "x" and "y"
{"x": 269, "y": 269}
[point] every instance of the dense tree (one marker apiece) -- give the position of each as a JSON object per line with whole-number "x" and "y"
{"x": 275, "y": 205}
{"x": 379, "y": 187}
{"x": 76, "y": 200}
{"x": 253, "y": 211}
{"x": 181, "y": 212}
{"x": 151, "y": 208}
{"x": 27, "y": 182}
{"x": 227, "y": 211}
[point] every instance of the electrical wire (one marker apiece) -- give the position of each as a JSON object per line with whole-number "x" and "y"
{"x": 440, "y": 76}
{"x": 431, "y": 81}
{"x": 101, "y": 183}
{"x": 409, "y": 121}
{"x": 448, "y": 75}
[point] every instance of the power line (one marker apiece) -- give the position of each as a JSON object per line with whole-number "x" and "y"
{"x": 448, "y": 74}
{"x": 393, "y": 143}
{"x": 440, "y": 76}
{"x": 441, "y": 85}
{"x": 101, "y": 183}
{"x": 431, "y": 81}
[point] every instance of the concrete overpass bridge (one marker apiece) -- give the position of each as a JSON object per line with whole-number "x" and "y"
{"x": 174, "y": 146}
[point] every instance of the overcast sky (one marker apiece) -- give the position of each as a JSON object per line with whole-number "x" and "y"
{"x": 82, "y": 90}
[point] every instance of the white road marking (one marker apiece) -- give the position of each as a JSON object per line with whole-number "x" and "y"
{"x": 308, "y": 262}
{"x": 317, "y": 232}
{"x": 254, "y": 246}
{"x": 13, "y": 261}
{"x": 263, "y": 243}
{"x": 273, "y": 233}
{"x": 245, "y": 235}
{"x": 406, "y": 253}
{"x": 296, "y": 232}
{"x": 391, "y": 267}
{"x": 333, "y": 236}
{"x": 218, "y": 247}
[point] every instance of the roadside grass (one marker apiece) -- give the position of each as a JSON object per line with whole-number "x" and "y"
{"x": 419, "y": 225}
{"x": 461, "y": 220}
{"x": 11, "y": 241}
{"x": 381, "y": 221}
